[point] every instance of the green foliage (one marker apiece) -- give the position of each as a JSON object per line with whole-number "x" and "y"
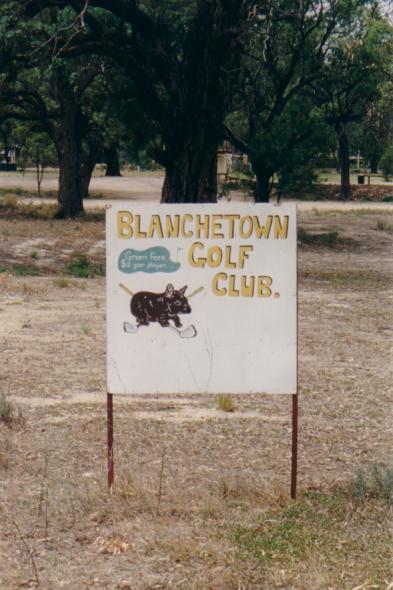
{"x": 317, "y": 524}
{"x": 296, "y": 75}
{"x": 377, "y": 484}
{"x": 375, "y": 131}
{"x": 80, "y": 266}
{"x": 37, "y": 149}
{"x": 22, "y": 270}
{"x": 386, "y": 161}
{"x": 292, "y": 532}
{"x": 291, "y": 101}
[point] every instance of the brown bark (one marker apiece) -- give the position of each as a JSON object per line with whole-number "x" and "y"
{"x": 69, "y": 196}
{"x": 191, "y": 172}
{"x": 87, "y": 168}
{"x": 68, "y": 144}
{"x": 343, "y": 157}
{"x": 374, "y": 165}
{"x": 262, "y": 188}
{"x": 112, "y": 160}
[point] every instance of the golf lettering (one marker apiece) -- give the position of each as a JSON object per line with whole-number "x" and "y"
{"x": 216, "y": 227}
{"x": 205, "y": 255}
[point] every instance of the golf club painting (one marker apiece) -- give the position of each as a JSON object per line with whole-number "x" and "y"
{"x": 201, "y": 298}
{"x": 164, "y": 308}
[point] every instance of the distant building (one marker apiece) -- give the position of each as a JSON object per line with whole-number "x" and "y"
{"x": 8, "y": 158}
{"x": 229, "y": 159}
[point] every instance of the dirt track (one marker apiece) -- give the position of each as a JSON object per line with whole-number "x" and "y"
{"x": 147, "y": 186}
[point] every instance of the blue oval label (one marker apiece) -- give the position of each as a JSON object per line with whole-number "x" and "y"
{"x": 157, "y": 259}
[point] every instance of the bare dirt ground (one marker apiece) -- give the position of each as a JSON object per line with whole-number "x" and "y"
{"x": 147, "y": 185}
{"x": 201, "y": 495}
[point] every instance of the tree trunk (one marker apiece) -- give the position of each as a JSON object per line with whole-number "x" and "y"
{"x": 67, "y": 137}
{"x": 374, "y": 164}
{"x": 343, "y": 153}
{"x": 87, "y": 168}
{"x": 191, "y": 173}
{"x": 69, "y": 196}
{"x": 262, "y": 187}
{"x": 112, "y": 160}
{"x": 197, "y": 95}
{"x": 68, "y": 145}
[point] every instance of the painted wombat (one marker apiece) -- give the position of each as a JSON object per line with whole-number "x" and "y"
{"x": 160, "y": 307}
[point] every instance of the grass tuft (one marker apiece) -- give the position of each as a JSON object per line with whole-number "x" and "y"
{"x": 383, "y": 225}
{"x": 21, "y": 270}
{"x": 8, "y": 201}
{"x": 376, "y": 485}
{"x": 327, "y": 240}
{"x": 80, "y": 266}
{"x": 9, "y": 414}
{"x": 226, "y": 403}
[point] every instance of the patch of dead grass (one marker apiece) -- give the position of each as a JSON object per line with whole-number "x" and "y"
{"x": 355, "y": 278}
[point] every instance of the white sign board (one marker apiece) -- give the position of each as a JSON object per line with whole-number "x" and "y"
{"x": 201, "y": 298}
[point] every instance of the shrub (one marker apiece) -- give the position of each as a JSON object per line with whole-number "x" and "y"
{"x": 62, "y": 283}
{"x": 386, "y": 162}
{"x": 80, "y": 266}
{"x": 328, "y": 240}
{"x": 226, "y": 403}
{"x": 384, "y": 225}
{"x": 9, "y": 414}
{"x": 8, "y": 201}
{"x": 21, "y": 270}
{"x": 378, "y": 484}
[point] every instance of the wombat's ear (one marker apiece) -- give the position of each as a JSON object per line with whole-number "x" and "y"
{"x": 183, "y": 290}
{"x": 169, "y": 290}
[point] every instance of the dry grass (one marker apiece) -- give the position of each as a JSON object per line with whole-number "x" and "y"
{"x": 384, "y": 225}
{"x": 12, "y": 206}
{"x": 225, "y": 403}
{"x": 327, "y": 531}
{"x": 201, "y": 495}
{"x": 10, "y": 415}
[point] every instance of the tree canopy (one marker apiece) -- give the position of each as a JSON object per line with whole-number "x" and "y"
{"x": 279, "y": 79}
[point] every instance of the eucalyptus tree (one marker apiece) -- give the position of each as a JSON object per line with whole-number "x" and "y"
{"x": 281, "y": 59}
{"x": 56, "y": 96}
{"x": 355, "y": 71}
{"x": 328, "y": 53}
{"x": 180, "y": 56}
{"x": 375, "y": 132}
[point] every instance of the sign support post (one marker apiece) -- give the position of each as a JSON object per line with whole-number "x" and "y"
{"x": 294, "y": 445}
{"x": 109, "y": 406}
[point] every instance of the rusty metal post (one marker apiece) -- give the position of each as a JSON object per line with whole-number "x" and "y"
{"x": 109, "y": 405}
{"x": 294, "y": 445}
{"x": 295, "y": 405}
